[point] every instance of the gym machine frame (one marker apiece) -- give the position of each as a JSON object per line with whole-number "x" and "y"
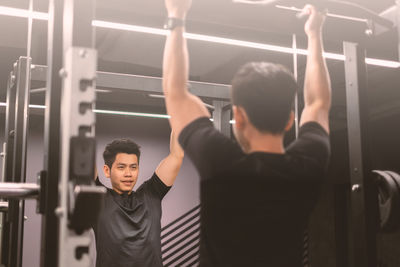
{"x": 14, "y": 159}
{"x": 78, "y": 49}
{"x": 70, "y": 83}
{"x": 67, "y": 223}
{"x": 221, "y": 116}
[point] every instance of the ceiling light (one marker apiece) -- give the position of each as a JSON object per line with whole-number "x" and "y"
{"x": 234, "y": 42}
{"x": 114, "y": 112}
{"x": 37, "y": 106}
{"x": 380, "y": 62}
{"x": 23, "y": 13}
{"x": 128, "y": 27}
{"x": 200, "y": 37}
{"x": 128, "y": 113}
{"x": 111, "y": 112}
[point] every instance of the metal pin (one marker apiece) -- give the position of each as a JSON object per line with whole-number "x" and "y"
{"x": 59, "y": 212}
{"x": 83, "y": 53}
{"x": 356, "y": 188}
{"x": 63, "y": 73}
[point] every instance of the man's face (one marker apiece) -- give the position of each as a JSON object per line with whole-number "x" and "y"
{"x": 124, "y": 172}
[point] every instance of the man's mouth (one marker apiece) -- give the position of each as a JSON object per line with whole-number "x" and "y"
{"x": 127, "y": 183}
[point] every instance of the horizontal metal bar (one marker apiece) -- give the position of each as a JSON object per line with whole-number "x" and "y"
{"x": 38, "y": 73}
{"x": 3, "y": 206}
{"x": 19, "y": 190}
{"x": 142, "y": 83}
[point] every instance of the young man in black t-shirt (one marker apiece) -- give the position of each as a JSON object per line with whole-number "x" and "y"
{"x": 256, "y": 196}
{"x": 128, "y": 229}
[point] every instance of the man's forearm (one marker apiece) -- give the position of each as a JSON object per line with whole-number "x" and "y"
{"x": 317, "y": 82}
{"x": 182, "y": 106}
{"x": 175, "y": 65}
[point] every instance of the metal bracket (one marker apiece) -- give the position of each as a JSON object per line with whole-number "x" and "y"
{"x": 78, "y": 194}
{"x": 222, "y": 116}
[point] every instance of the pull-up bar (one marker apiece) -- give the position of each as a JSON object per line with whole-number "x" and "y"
{"x": 366, "y": 13}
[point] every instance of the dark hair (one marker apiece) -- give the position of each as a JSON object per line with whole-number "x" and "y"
{"x": 120, "y": 146}
{"x": 266, "y": 92}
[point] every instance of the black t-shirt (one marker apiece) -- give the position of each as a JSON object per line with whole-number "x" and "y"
{"x": 128, "y": 230}
{"x": 255, "y": 207}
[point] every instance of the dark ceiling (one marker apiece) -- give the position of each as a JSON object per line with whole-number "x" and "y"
{"x": 138, "y": 53}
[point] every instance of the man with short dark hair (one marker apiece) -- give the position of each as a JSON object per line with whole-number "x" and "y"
{"x": 256, "y": 196}
{"x": 128, "y": 230}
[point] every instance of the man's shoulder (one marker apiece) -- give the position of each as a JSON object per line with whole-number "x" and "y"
{"x": 311, "y": 150}
{"x": 313, "y": 127}
{"x": 153, "y": 186}
{"x": 197, "y": 125}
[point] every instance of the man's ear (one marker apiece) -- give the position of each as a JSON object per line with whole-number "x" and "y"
{"x": 239, "y": 116}
{"x": 107, "y": 171}
{"x": 290, "y": 122}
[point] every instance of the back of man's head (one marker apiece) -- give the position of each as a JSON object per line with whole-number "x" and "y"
{"x": 120, "y": 146}
{"x": 266, "y": 92}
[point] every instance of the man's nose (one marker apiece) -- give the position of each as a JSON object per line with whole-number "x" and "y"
{"x": 128, "y": 172}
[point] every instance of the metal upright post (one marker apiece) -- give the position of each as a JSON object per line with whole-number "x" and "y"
{"x": 398, "y": 27}
{"x": 8, "y": 158}
{"x": 49, "y": 198}
{"x": 16, "y": 207}
{"x": 15, "y": 158}
{"x": 363, "y": 197}
{"x": 222, "y": 116}
{"x": 80, "y": 199}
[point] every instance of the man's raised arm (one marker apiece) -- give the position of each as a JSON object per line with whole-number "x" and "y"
{"x": 169, "y": 167}
{"x": 182, "y": 106}
{"x": 317, "y": 87}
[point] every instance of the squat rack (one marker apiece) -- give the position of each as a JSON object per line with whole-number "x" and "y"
{"x": 70, "y": 50}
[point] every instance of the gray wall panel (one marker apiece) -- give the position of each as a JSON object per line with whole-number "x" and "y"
{"x": 150, "y": 133}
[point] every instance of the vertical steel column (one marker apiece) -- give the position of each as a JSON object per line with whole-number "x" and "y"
{"x": 15, "y": 157}
{"x": 296, "y": 97}
{"x": 8, "y": 158}
{"x": 21, "y": 125}
{"x": 363, "y": 198}
{"x": 49, "y": 240}
{"x": 397, "y": 23}
{"x": 222, "y": 117}
{"x": 341, "y": 202}
{"x": 78, "y": 121}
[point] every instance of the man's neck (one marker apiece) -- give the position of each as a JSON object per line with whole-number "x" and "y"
{"x": 266, "y": 143}
{"x": 119, "y": 192}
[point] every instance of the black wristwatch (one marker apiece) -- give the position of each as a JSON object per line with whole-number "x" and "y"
{"x": 172, "y": 23}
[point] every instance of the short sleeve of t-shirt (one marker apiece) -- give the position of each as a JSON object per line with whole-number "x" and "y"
{"x": 155, "y": 186}
{"x": 312, "y": 146}
{"x": 208, "y": 149}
